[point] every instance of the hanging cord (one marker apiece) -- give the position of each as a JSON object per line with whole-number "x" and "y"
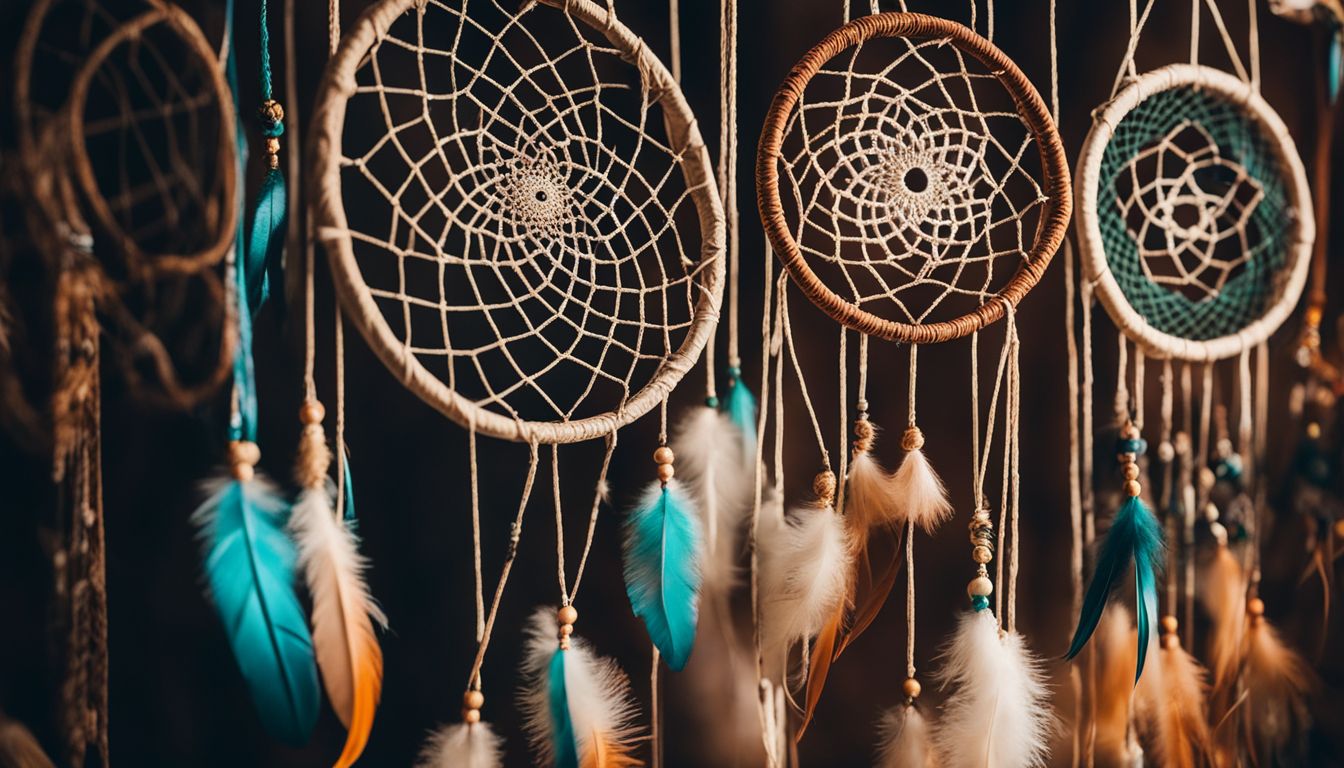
{"x": 1188, "y": 504}
{"x": 1139, "y": 379}
{"x": 674, "y": 27}
{"x": 844, "y": 417}
{"x": 802, "y": 382}
{"x": 910, "y": 600}
{"x": 1166, "y": 453}
{"x": 1261, "y": 450}
{"x": 1128, "y": 69}
{"x": 1013, "y": 437}
{"x": 728, "y": 172}
{"x": 1122, "y": 399}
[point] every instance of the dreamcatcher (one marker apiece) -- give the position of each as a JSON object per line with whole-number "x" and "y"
{"x": 911, "y": 182}
{"x": 535, "y": 253}
{"x": 127, "y": 160}
{"x": 1195, "y": 233}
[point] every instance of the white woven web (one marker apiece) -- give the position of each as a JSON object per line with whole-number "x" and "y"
{"x": 912, "y": 180}
{"x": 516, "y": 209}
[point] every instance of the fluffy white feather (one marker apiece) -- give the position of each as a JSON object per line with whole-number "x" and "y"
{"x": 996, "y": 715}
{"x": 805, "y": 565}
{"x": 462, "y": 745}
{"x": 904, "y": 739}
{"x": 920, "y": 492}
{"x": 708, "y": 447}
{"x": 870, "y": 493}
{"x": 597, "y": 691}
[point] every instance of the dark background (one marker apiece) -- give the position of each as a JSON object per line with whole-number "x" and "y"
{"x": 177, "y": 699}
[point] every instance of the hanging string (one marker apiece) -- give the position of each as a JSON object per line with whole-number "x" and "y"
{"x": 476, "y": 530}
{"x": 764, "y": 701}
{"x": 598, "y": 498}
{"x": 655, "y": 712}
{"x": 914, "y": 373}
{"x": 802, "y": 382}
{"x": 1248, "y": 468}
{"x": 674, "y": 25}
{"x": 844, "y": 417}
{"x": 1166, "y": 454}
{"x": 1205, "y": 425}
{"x": 1261, "y": 451}
{"x": 1136, "y": 24}
{"x": 1013, "y": 437}
{"x": 1122, "y": 400}
{"x": 910, "y": 600}
{"x": 1089, "y": 504}
{"x": 1139, "y": 359}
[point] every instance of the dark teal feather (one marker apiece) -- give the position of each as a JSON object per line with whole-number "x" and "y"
{"x": 562, "y": 725}
{"x": 249, "y": 566}
{"x": 1334, "y": 61}
{"x": 1135, "y": 538}
{"x": 349, "y": 491}
{"x": 266, "y": 240}
{"x": 741, "y": 410}
{"x": 662, "y": 569}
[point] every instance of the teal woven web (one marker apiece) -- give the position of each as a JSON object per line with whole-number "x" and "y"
{"x": 1194, "y": 214}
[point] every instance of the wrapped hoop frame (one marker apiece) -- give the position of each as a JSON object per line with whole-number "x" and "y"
{"x": 1032, "y": 111}
{"x": 333, "y": 230}
{"x": 1097, "y": 270}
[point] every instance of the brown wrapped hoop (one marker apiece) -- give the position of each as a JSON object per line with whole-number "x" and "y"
{"x": 1031, "y": 109}
{"x": 332, "y": 228}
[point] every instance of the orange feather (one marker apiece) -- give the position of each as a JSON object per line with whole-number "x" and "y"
{"x": 604, "y": 753}
{"x": 823, "y": 652}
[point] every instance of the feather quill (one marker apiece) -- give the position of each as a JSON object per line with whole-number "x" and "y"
{"x": 348, "y": 655}
{"x": 462, "y": 745}
{"x": 997, "y": 714}
{"x": 662, "y": 569}
{"x": 577, "y": 708}
{"x": 904, "y": 739}
{"x": 1171, "y": 707}
{"x": 921, "y": 494}
{"x": 1135, "y": 537}
{"x": 249, "y": 566}
{"x": 1114, "y": 688}
{"x": 712, "y": 469}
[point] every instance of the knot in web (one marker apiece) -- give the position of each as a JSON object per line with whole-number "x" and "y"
{"x": 911, "y": 179}
{"x": 527, "y": 203}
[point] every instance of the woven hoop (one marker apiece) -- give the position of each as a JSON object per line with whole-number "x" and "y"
{"x": 1153, "y": 342}
{"x": 332, "y": 229}
{"x": 1031, "y": 109}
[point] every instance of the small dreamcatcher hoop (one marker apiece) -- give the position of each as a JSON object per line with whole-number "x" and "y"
{"x": 530, "y": 198}
{"x": 1193, "y": 214}
{"x": 903, "y": 185}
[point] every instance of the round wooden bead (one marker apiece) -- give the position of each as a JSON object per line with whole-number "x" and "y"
{"x": 566, "y": 629}
{"x": 666, "y": 472}
{"x": 982, "y": 554}
{"x": 1207, "y": 478}
{"x": 1339, "y": 528}
{"x": 1169, "y": 624}
{"x": 312, "y": 412}
{"x": 981, "y": 586}
{"x": 272, "y": 145}
{"x": 1171, "y": 641}
{"x": 913, "y": 439}
{"x": 911, "y": 688}
{"x": 244, "y": 452}
{"x": 663, "y": 456}
{"x": 473, "y": 699}
{"x": 1132, "y": 488}
{"x": 272, "y": 111}
{"x": 1314, "y": 431}
{"x": 823, "y": 485}
{"x": 1166, "y": 451}
{"x": 1131, "y": 471}
{"x": 243, "y": 472}
{"x": 1129, "y": 431}
{"x": 472, "y": 716}
{"x": 568, "y": 614}
{"x": 1255, "y": 606}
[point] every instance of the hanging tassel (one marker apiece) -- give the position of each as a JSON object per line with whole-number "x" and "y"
{"x": 346, "y": 647}
{"x": 662, "y": 564}
{"x": 904, "y": 739}
{"x": 921, "y": 495}
{"x": 250, "y": 571}
{"x": 1171, "y": 705}
{"x": 871, "y": 497}
{"x": 1114, "y": 689}
{"x": 462, "y": 745}
{"x": 709, "y": 464}
{"x": 997, "y": 713}
{"x": 577, "y": 709}
{"x": 741, "y": 408}
{"x": 1135, "y": 536}
{"x": 1277, "y": 682}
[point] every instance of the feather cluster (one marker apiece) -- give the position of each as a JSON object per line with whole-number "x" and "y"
{"x": 716, "y": 473}
{"x": 921, "y": 494}
{"x": 462, "y": 745}
{"x": 577, "y": 708}
{"x": 997, "y": 713}
{"x": 249, "y": 565}
{"x": 662, "y": 569}
{"x": 904, "y": 738}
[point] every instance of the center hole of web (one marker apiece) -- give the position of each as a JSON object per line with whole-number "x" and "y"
{"x": 541, "y": 195}
{"x": 916, "y": 180}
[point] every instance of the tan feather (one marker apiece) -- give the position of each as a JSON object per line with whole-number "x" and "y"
{"x": 1224, "y": 596}
{"x": 19, "y": 748}
{"x": 871, "y": 589}
{"x": 1117, "y": 654}
{"x": 601, "y": 752}
{"x": 870, "y": 495}
{"x": 1171, "y": 708}
{"x": 921, "y": 492}
{"x": 1277, "y": 681}
{"x": 819, "y": 665}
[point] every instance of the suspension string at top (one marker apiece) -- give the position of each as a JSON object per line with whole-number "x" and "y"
{"x": 802, "y": 382}
{"x": 910, "y": 600}
{"x": 674, "y": 26}
{"x": 1013, "y": 438}
{"x": 914, "y": 371}
{"x": 1228, "y": 44}
{"x": 1139, "y": 359}
{"x": 844, "y": 417}
{"x": 1122, "y": 400}
{"x": 1136, "y": 23}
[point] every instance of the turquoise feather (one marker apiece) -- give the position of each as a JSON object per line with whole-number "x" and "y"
{"x": 662, "y": 569}
{"x": 266, "y": 240}
{"x": 741, "y": 410}
{"x": 1135, "y": 537}
{"x": 249, "y": 567}
{"x": 1335, "y": 61}
{"x": 349, "y": 491}
{"x": 562, "y": 725}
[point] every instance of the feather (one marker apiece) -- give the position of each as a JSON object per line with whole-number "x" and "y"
{"x": 923, "y": 499}
{"x": 741, "y": 409}
{"x": 871, "y": 496}
{"x": 346, "y": 647}
{"x": 1135, "y": 537}
{"x": 19, "y": 748}
{"x": 662, "y": 569}
{"x": 1172, "y": 709}
{"x": 805, "y": 565}
{"x": 904, "y": 737}
{"x": 249, "y": 568}
{"x": 1224, "y": 597}
{"x": 819, "y": 667}
{"x": 462, "y": 745}
{"x": 1114, "y": 687}
{"x": 997, "y": 714}
{"x": 577, "y": 709}
{"x": 1278, "y": 682}
{"x": 265, "y": 238}
{"x": 1334, "y": 61}
{"x": 708, "y": 447}
{"x": 870, "y": 590}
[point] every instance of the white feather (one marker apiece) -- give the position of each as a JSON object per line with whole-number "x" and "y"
{"x": 921, "y": 495}
{"x": 870, "y": 493}
{"x": 708, "y": 447}
{"x": 805, "y": 565}
{"x": 596, "y": 690}
{"x": 996, "y": 715}
{"x": 462, "y": 745}
{"x": 904, "y": 737}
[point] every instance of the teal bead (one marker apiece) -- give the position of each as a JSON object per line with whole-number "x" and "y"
{"x": 712, "y": 401}
{"x": 980, "y": 602}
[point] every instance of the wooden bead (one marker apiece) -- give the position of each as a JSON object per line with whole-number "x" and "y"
{"x": 913, "y": 439}
{"x": 911, "y": 688}
{"x": 473, "y": 699}
{"x": 1132, "y": 488}
{"x": 1339, "y": 528}
{"x": 1314, "y": 431}
{"x": 568, "y": 614}
{"x": 1129, "y": 431}
{"x": 1166, "y": 451}
{"x": 244, "y": 452}
{"x": 1131, "y": 471}
{"x": 981, "y": 586}
{"x": 982, "y": 554}
{"x": 1171, "y": 642}
{"x": 312, "y": 412}
{"x": 666, "y": 472}
{"x": 472, "y": 716}
{"x": 243, "y": 472}
{"x": 272, "y": 145}
{"x": 1255, "y": 606}
{"x": 566, "y": 629}
{"x": 663, "y": 455}
{"x": 823, "y": 485}
{"x": 272, "y": 111}
{"x": 1169, "y": 624}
